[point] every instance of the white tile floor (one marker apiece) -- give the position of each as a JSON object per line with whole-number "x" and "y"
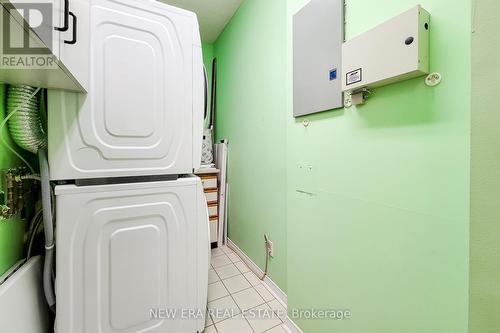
{"x": 238, "y": 302}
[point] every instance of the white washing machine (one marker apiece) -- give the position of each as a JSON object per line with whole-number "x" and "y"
{"x": 126, "y": 253}
{"x": 129, "y": 243}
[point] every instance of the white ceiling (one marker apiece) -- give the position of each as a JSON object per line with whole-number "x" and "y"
{"x": 213, "y": 15}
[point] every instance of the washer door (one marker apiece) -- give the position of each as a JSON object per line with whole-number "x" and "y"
{"x": 127, "y": 258}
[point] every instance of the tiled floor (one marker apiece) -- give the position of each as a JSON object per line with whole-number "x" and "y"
{"x": 237, "y": 300}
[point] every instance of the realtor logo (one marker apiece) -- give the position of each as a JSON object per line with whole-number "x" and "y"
{"x": 27, "y": 35}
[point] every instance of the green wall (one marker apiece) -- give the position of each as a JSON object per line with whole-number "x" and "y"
{"x": 251, "y": 113}
{"x": 385, "y": 229}
{"x": 385, "y": 233}
{"x": 12, "y": 230}
{"x": 485, "y": 170}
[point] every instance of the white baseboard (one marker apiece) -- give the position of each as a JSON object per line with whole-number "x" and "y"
{"x": 268, "y": 283}
{"x": 291, "y": 327}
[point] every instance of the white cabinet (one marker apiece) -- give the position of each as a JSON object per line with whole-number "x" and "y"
{"x": 74, "y": 52}
{"x": 88, "y": 40}
{"x": 38, "y": 48}
{"x": 209, "y": 179}
{"x": 214, "y": 227}
{"x": 127, "y": 249}
{"x": 143, "y": 113}
{"x": 47, "y": 18}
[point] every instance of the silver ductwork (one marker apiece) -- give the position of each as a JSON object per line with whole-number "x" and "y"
{"x": 25, "y": 125}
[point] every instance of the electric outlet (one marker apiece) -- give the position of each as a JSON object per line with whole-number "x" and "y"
{"x": 270, "y": 248}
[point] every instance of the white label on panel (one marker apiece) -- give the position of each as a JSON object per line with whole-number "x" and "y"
{"x": 354, "y": 76}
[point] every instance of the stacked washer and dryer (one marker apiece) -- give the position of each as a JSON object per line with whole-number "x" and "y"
{"x": 132, "y": 235}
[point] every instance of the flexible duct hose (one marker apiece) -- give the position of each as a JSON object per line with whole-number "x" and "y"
{"x": 25, "y": 125}
{"x": 26, "y": 129}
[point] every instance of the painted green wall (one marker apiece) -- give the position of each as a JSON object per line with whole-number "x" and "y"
{"x": 485, "y": 170}
{"x": 251, "y": 113}
{"x": 385, "y": 230}
{"x": 12, "y": 230}
{"x": 385, "y": 233}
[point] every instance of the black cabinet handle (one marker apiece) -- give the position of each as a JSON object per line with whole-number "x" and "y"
{"x": 65, "y": 26}
{"x": 75, "y": 24}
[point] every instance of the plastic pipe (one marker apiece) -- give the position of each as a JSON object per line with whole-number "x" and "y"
{"x": 48, "y": 287}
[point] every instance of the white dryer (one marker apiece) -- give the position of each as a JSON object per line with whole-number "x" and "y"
{"x": 132, "y": 257}
{"x": 143, "y": 111}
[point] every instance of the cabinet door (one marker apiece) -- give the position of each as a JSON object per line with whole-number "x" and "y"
{"x": 41, "y": 16}
{"x": 58, "y": 9}
{"x": 32, "y": 55}
{"x": 75, "y": 42}
{"x": 125, "y": 254}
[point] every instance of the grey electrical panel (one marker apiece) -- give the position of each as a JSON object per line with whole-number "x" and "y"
{"x": 318, "y": 34}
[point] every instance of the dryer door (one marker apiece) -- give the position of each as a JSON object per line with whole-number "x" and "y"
{"x": 128, "y": 258}
{"x": 137, "y": 118}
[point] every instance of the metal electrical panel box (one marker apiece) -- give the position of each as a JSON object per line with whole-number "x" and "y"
{"x": 395, "y": 50}
{"x": 318, "y": 34}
